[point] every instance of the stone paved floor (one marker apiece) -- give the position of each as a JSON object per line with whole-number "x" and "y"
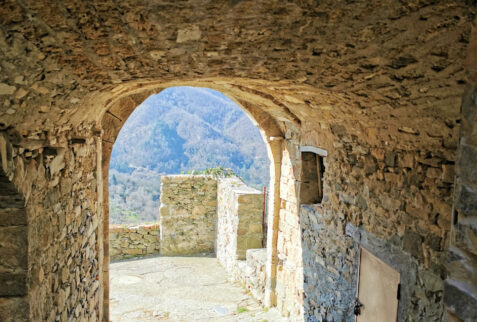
{"x": 180, "y": 289}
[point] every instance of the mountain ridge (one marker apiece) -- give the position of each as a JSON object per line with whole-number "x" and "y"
{"x": 179, "y": 130}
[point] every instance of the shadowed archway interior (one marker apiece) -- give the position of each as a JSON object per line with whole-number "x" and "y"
{"x": 387, "y": 88}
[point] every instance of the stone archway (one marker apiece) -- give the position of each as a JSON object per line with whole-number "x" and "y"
{"x": 114, "y": 118}
{"x": 339, "y": 75}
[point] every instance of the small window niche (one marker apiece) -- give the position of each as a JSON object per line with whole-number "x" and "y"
{"x": 313, "y": 169}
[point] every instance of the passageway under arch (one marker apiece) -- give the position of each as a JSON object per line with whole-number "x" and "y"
{"x": 378, "y": 85}
{"x": 115, "y": 117}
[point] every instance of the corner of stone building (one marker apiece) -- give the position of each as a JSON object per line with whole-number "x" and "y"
{"x": 460, "y": 287}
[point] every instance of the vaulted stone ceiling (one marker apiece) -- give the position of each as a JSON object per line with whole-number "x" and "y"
{"x": 376, "y": 83}
{"x": 366, "y": 62}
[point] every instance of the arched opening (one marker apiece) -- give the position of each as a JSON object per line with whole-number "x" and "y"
{"x": 181, "y": 130}
{"x": 112, "y": 122}
{"x": 343, "y": 76}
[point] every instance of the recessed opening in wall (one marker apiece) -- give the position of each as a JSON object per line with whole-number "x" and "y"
{"x": 180, "y": 187}
{"x": 313, "y": 169}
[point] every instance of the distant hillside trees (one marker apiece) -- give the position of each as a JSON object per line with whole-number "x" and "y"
{"x": 179, "y": 130}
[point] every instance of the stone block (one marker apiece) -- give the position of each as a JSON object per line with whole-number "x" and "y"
{"x": 390, "y": 159}
{"x": 466, "y": 235}
{"x": 466, "y": 200}
{"x": 255, "y": 228}
{"x": 253, "y": 242}
{"x": 434, "y": 242}
{"x": 433, "y": 173}
{"x": 13, "y": 217}
{"x": 151, "y": 250}
{"x": 133, "y": 251}
{"x": 412, "y": 243}
{"x": 13, "y": 284}
{"x": 114, "y": 251}
{"x": 461, "y": 300}
{"x": 14, "y": 309}
{"x": 405, "y": 160}
{"x": 448, "y": 173}
{"x": 466, "y": 164}
{"x": 13, "y": 248}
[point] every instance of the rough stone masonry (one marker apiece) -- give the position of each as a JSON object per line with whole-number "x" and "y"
{"x": 188, "y": 214}
{"x": 134, "y": 241}
{"x": 203, "y": 215}
{"x": 377, "y": 84}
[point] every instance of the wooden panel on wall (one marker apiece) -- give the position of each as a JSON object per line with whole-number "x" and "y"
{"x": 377, "y": 289}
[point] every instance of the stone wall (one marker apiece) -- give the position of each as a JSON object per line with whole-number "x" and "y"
{"x": 460, "y": 295}
{"x": 59, "y": 177}
{"x": 289, "y": 284}
{"x": 188, "y": 214}
{"x": 13, "y": 253}
{"x": 251, "y": 273}
{"x": 377, "y": 84}
{"x": 400, "y": 201}
{"x": 133, "y": 241}
{"x": 329, "y": 264}
{"x": 240, "y": 235}
{"x": 239, "y": 221}
{"x": 400, "y": 196}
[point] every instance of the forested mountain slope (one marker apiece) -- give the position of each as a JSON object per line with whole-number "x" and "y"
{"x": 179, "y": 130}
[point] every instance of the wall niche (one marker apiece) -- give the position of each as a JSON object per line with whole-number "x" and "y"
{"x": 313, "y": 170}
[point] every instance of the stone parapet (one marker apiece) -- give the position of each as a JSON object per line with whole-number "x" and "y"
{"x": 133, "y": 241}
{"x": 239, "y": 221}
{"x": 251, "y": 273}
{"x": 188, "y": 214}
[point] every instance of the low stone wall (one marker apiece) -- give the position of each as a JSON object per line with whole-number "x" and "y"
{"x": 198, "y": 214}
{"x": 188, "y": 214}
{"x": 135, "y": 241}
{"x": 239, "y": 221}
{"x": 251, "y": 273}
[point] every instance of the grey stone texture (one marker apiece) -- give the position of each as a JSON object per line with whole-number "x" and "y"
{"x": 460, "y": 295}
{"x": 329, "y": 262}
{"x": 187, "y": 214}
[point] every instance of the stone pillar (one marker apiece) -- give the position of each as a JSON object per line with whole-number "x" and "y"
{"x": 460, "y": 288}
{"x": 100, "y": 229}
{"x": 104, "y": 277}
{"x": 275, "y": 154}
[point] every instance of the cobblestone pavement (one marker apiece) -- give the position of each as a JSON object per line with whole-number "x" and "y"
{"x": 180, "y": 289}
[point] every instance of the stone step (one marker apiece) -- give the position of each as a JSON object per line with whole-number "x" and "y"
{"x": 12, "y": 201}
{"x": 13, "y": 249}
{"x": 9, "y": 196}
{"x": 13, "y": 284}
{"x": 6, "y": 188}
{"x": 14, "y": 309}
{"x": 13, "y": 217}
